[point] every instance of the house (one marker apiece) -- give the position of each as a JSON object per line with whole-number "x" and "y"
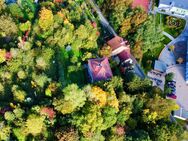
{"x": 178, "y": 7}
{"x": 125, "y": 55}
{"x": 99, "y": 69}
{"x": 118, "y": 45}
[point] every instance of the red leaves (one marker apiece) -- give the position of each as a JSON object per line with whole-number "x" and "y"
{"x": 49, "y": 112}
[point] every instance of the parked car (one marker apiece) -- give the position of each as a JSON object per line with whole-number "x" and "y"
{"x": 172, "y": 95}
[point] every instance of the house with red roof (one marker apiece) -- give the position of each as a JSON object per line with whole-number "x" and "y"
{"x": 118, "y": 45}
{"x": 99, "y": 69}
{"x": 121, "y": 51}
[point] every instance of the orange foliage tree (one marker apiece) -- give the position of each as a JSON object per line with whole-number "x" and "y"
{"x": 45, "y": 19}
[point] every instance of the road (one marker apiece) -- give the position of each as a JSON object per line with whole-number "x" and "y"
{"x": 138, "y": 70}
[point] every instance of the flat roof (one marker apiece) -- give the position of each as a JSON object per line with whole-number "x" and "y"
{"x": 160, "y": 66}
{"x": 183, "y": 4}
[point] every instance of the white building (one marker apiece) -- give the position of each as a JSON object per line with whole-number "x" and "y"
{"x": 178, "y": 7}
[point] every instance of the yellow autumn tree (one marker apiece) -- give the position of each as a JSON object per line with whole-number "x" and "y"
{"x": 2, "y": 55}
{"x": 105, "y": 51}
{"x": 125, "y": 27}
{"x": 98, "y": 95}
{"x": 139, "y": 18}
{"x": 45, "y": 19}
{"x": 112, "y": 100}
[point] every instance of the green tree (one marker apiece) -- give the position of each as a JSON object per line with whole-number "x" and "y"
{"x": 16, "y": 11}
{"x": 138, "y": 135}
{"x": 139, "y": 85}
{"x": 46, "y": 19}
{"x": 7, "y": 26}
{"x": 71, "y": 100}
{"x": 166, "y": 132}
{"x": 158, "y": 108}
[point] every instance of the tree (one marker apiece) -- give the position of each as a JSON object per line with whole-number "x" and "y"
{"x": 166, "y": 132}
{"x": 16, "y": 11}
{"x": 138, "y": 135}
{"x": 139, "y": 85}
{"x": 158, "y": 108}
{"x": 5, "y": 132}
{"x": 109, "y": 117}
{"x": 46, "y": 19}
{"x": 137, "y": 50}
{"x": 7, "y": 26}
{"x": 180, "y": 60}
{"x": 2, "y": 55}
{"x": 169, "y": 77}
{"x": 9, "y": 116}
{"x": 71, "y": 100}
{"x": 34, "y": 125}
{"x": 89, "y": 121}
{"x": 18, "y": 94}
{"x": 25, "y": 26}
{"x": 172, "y": 47}
{"x": 105, "y": 51}
{"x": 150, "y": 36}
{"x": 2, "y": 6}
{"x": 125, "y": 108}
{"x": 139, "y": 17}
{"x": 67, "y": 135}
{"x": 125, "y": 27}
{"x": 97, "y": 95}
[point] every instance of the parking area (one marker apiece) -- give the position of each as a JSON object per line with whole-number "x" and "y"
{"x": 181, "y": 87}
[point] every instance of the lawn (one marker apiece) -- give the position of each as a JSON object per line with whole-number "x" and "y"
{"x": 181, "y": 122}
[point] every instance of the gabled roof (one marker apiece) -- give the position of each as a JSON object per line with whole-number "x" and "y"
{"x": 116, "y": 42}
{"x": 99, "y": 69}
{"x": 124, "y": 55}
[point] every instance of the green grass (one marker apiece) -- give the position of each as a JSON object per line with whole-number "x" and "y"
{"x": 181, "y": 122}
{"x": 154, "y": 54}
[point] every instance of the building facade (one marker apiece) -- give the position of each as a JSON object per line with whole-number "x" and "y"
{"x": 178, "y": 7}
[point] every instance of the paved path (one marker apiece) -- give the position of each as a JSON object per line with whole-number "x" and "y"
{"x": 138, "y": 70}
{"x": 168, "y": 35}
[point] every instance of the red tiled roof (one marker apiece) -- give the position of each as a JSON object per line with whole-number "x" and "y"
{"x": 124, "y": 55}
{"x": 99, "y": 69}
{"x": 116, "y": 42}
